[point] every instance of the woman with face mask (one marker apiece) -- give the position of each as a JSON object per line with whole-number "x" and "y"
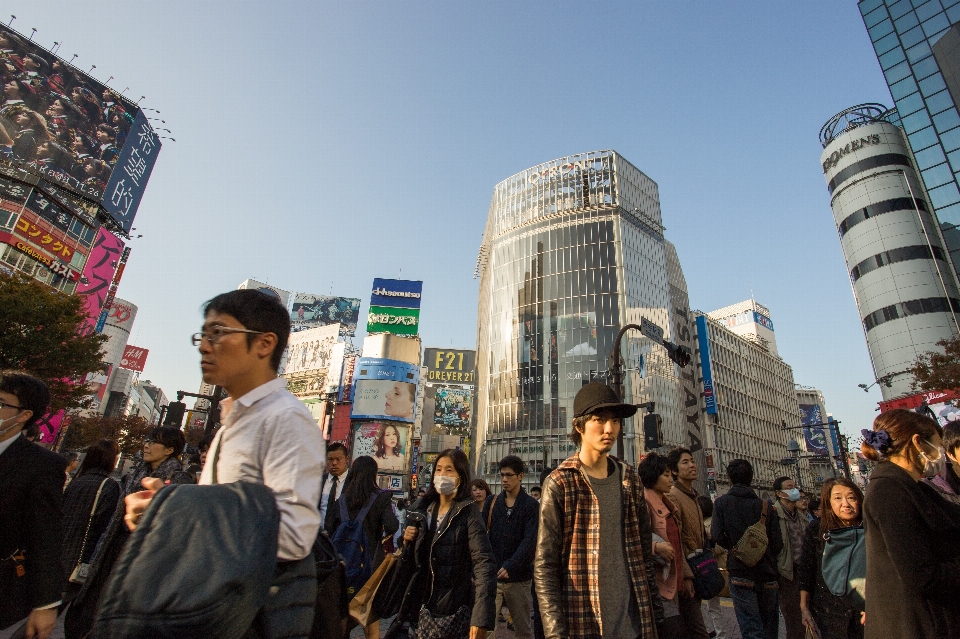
{"x": 913, "y": 535}
{"x": 457, "y": 583}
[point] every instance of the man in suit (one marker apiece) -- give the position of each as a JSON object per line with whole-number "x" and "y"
{"x": 30, "y": 511}
{"x": 331, "y": 486}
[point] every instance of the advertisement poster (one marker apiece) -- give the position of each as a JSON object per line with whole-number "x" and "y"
{"x": 449, "y": 409}
{"x": 815, "y": 438}
{"x": 450, "y": 365}
{"x": 98, "y": 274}
{"x": 134, "y": 357}
{"x": 311, "y": 311}
{"x": 710, "y": 400}
{"x": 386, "y": 442}
{"x": 310, "y": 350}
{"x": 385, "y": 389}
{"x": 395, "y": 307}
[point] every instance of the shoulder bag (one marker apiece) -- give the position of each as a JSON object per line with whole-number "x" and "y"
{"x": 79, "y": 574}
{"x": 753, "y": 543}
{"x": 844, "y": 565}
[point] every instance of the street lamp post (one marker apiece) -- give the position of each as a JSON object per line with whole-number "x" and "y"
{"x": 794, "y": 449}
{"x": 834, "y": 426}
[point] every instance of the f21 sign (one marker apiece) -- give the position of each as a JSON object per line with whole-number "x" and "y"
{"x": 134, "y": 358}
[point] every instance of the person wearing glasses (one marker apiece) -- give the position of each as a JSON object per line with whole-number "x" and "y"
{"x": 512, "y": 528}
{"x": 30, "y": 512}
{"x": 268, "y": 436}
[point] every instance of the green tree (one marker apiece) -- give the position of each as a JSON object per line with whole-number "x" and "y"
{"x": 128, "y": 431}
{"x": 40, "y": 333}
{"x": 936, "y": 371}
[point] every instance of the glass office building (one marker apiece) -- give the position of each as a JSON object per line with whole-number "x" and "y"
{"x": 918, "y": 45}
{"x": 573, "y": 249}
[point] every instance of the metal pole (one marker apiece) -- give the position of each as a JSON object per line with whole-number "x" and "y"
{"x": 616, "y": 378}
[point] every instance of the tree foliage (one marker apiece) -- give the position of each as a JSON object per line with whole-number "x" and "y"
{"x": 128, "y": 431}
{"x": 936, "y": 371}
{"x": 40, "y": 333}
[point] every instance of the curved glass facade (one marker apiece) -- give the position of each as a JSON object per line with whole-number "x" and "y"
{"x": 573, "y": 249}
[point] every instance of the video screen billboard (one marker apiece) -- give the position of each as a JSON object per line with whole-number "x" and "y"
{"x": 396, "y": 293}
{"x": 814, "y": 438}
{"x": 384, "y": 389}
{"x": 59, "y": 123}
{"x": 310, "y": 311}
{"x": 448, "y": 409}
{"x": 395, "y": 307}
{"x": 386, "y": 442}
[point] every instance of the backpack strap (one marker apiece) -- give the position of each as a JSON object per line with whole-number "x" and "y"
{"x": 490, "y": 512}
{"x": 363, "y": 511}
{"x": 763, "y": 513}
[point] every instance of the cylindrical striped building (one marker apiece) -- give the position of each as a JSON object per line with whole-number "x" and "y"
{"x": 904, "y": 287}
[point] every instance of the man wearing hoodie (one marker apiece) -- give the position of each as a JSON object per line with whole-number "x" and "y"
{"x": 752, "y": 588}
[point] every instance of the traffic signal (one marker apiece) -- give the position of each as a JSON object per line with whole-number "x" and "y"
{"x": 174, "y": 416}
{"x": 652, "y": 431}
{"x": 679, "y": 354}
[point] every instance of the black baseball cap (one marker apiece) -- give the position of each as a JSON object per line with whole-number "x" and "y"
{"x": 596, "y": 397}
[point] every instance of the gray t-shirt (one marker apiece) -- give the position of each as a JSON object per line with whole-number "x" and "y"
{"x": 618, "y": 606}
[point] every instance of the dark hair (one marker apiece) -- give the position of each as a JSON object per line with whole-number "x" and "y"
{"x": 106, "y": 128}
{"x": 780, "y": 481}
{"x": 951, "y": 438}
{"x": 462, "y": 466}
{"x": 401, "y": 504}
{"x": 71, "y": 457}
{"x": 740, "y": 471}
{"x": 205, "y": 443}
{"x": 169, "y": 437}
{"x": 578, "y": 423}
{"x": 512, "y": 462}
{"x": 334, "y": 447}
{"x": 544, "y": 474}
{"x": 361, "y": 482}
{"x": 101, "y": 456}
{"x": 901, "y": 425}
{"x": 828, "y": 520}
{"x": 650, "y": 468}
{"x": 381, "y": 448}
{"x": 814, "y": 504}
{"x": 31, "y": 393}
{"x": 706, "y": 505}
{"x": 674, "y": 456}
{"x": 256, "y": 311}
{"x": 536, "y": 488}
{"x": 479, "y": 483}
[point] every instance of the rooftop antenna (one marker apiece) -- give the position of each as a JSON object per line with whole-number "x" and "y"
{"x": 75, "y": 56}
{"x": 91, "y": 69}
{"x": 108, "y": 80}
{"x": 33, "y": 30}
{"x": 125, "y": 89}
{"x": 12, "y": 18}
{"x": 141, "y": 97}
{"x": 54, "y": 49}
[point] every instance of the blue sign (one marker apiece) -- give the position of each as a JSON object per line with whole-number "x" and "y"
{"x": 102, "y": 320}
{"x": 396, "y": 293}
{"x": 703, "y": 341}
{"x": 125, "y": 189}
{"x": 838, "y": 456}
{"x": 815, "y": 438}
{"x": 384, "y": 389}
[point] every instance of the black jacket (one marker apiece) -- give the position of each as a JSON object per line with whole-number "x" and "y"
{"x": 380, "y": 522}
{"x": 733, "y": 513}
{"x": 78, "y": 499}
{"x": 513, "y": 536}
{"x": 31, "y": 498}
{"x": 913, "y": 558}
{"x": 834, "y": 617}
{"x": 449, "y": 553}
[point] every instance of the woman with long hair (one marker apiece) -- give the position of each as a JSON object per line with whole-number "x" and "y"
{"x": 388, "y": 448}
{"x": 82, "y": 524}
{"x": 822, "y": 611}
{"x": 480, "y": 490}
{"x": 457, "y": 581}
{"x": 913, "y": 535}
{"x": 379, "y": 524}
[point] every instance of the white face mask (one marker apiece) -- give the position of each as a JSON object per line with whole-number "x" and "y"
{"x": 445, "y": 485}
{"x": 933, "y": 467}
{"x": 3, "y": 423}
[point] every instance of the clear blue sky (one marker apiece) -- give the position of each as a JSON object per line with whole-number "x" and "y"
{"x": 325, "y": 143}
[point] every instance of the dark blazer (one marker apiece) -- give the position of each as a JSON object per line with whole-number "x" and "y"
{"x": 913, "y": 558}
{"x": 380, "y": 522}
{"x": 513, "y": 537}
{"x": 30, "y": 520}
{"x": 78, "y": 499}
{"x": 733, "y": 513}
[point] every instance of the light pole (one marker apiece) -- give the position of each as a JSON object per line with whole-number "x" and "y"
{"x": 794, "y": 449}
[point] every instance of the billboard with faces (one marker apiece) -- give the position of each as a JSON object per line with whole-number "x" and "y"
{"x": 384, "y": 389}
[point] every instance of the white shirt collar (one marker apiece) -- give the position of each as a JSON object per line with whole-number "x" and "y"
{"x": 263, "y": 390}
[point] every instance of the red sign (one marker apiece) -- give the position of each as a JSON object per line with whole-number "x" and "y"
{"x": 60, "y": 268}
{"x": 912, "y": 401}
{"x": 134, "y": 358}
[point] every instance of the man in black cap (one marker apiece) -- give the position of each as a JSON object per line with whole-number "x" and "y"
{"x": 594, "y": 570}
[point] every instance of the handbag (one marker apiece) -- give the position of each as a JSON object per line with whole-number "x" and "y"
{"x": 79, "y": 574}
{"x": 753, "y": 543}
{"x": 455, "y": 626}
{"x": 722, "y": 564}
{"x": 361, "y": 606}
{"x": 844, "y": 565}
{"x": 708, "y": 581}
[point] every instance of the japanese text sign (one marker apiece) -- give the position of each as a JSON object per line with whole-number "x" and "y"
{"x": 129, "y": 178}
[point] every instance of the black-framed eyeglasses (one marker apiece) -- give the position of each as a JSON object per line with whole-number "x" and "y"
{"x": 214, "y": 334}
{"x": 5, "y": 405}
{"x": 508, "y": 475}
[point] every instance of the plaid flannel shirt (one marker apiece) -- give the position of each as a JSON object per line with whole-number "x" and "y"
{"x": 577, "y": 576}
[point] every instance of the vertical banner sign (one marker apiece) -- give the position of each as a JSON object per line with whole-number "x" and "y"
{"x": 395, "y": 307}
{"x": 125, "y": 189}
{"x": 814, "y": 438}
{"x": 98, "y": 273}
{"x": 703, "y": 340}
{"x": 113, "y": 290}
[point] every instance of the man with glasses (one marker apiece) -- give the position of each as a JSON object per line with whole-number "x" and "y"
{"x": 513, "y": 518}
{"x": 32, "y": 479}
{"x": 268, "y": 436}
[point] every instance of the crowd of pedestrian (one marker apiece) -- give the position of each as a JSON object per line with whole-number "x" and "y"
{"x": 599, "y": 549}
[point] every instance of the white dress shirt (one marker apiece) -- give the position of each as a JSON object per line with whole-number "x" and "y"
{"x": 325, "y": 499}
{"x": 270, "y": 438}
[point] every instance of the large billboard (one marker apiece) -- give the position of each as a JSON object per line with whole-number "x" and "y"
{"x": 60, "y": 124}
{"x": 309, "y": 355}
{"x": 282, "y": 295}
{"x": 311, "y": 311}
{"x": 395, "y": 307}
{"x": 384, "y": 389}
{"x": 703, "y": 341}
{"x": 814, "y": 436}
{"x": 454, "y": 366}
{"x": 447, "y": 409}
{"x": 98, "y": 273}
{"x": 134, "y": 357}
{"x": 387, "y": 442}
